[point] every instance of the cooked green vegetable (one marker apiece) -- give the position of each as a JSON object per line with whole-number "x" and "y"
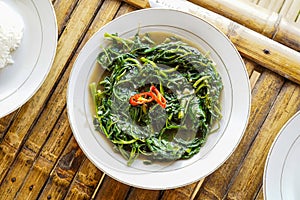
{"x": 187, "y": 80}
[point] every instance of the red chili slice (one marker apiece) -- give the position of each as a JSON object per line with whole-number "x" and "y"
{"x": 141, "y": 98}
{"x": 147, "y": 97}
{"x": 159, "y": 98}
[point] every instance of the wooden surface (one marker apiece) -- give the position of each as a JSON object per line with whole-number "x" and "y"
{"x": 41, "y": 159}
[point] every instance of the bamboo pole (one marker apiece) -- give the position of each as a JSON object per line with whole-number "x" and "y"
{"x": 258, "y": 19}
{"x": 262, "y": 50}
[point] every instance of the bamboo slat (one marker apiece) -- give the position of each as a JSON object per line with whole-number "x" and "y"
{"x": 85, "y": 182}
{"x": 256, "y": 18}
{"x": 254, "y": 78}
{"x": 38, "y": 135}
{"x": 5, "y": 123}
{"x": 137, "y": 193}
{"x": 63, "y": 173}
{"x": 250, "y": 66}
{"x": 267, "y": 52}
{"x": 253, "y": 71}
{"x": 31, "y": 148}
{"x": 185, "y": 192}
{"x": 63, "y": 10}
{"x": 245, "y": 186}
{"x": 260, "y": 195}
{"x": 217, "y": 184}
{"x": 34, "y": 174}
{"x": 125, "y": 8}
{"x": 112, "y": 189}
{"x": 139, "y": 3}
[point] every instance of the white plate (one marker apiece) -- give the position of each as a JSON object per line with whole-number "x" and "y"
{"x": 282, "y": 174}
{"x": 33, "y": 59}
{"x": 219, "y": 146}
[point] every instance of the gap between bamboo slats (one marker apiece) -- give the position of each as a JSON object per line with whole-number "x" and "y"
{"x": 63, "y": 10}
{"x": 254, "y": 46}
{"x": 5, "y": 123}
{"x": 260, "y": 195}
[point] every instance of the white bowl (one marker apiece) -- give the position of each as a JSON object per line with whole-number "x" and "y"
{"x": 235, "y": 101}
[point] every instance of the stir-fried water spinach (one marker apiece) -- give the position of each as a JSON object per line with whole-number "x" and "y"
{"x": 129, "y": 111}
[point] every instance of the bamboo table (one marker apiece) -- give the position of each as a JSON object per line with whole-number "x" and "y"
{"x": 41, "y": 159}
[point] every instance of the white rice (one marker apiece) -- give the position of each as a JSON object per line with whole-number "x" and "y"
{"x": 11, "y": 33}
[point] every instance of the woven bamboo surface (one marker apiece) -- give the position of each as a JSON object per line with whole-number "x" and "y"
{"x": 40, "y": 158}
